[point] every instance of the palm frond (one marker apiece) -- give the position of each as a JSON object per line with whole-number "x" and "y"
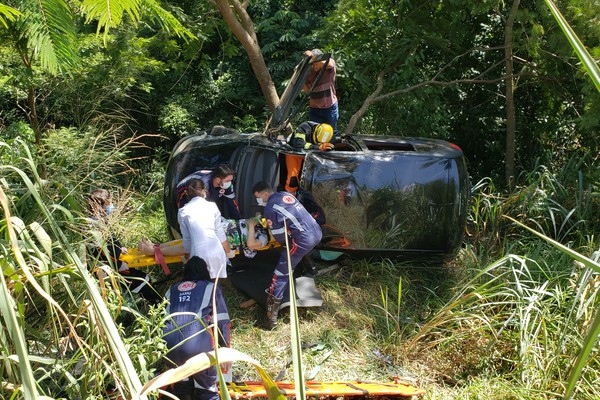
{"x": 167, "y": 21}
{"x": 7, "y": 13}
{"x": 51, "y": 34}
{"x": 109, "y": 13}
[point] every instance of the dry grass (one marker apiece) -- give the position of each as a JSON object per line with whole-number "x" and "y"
{"x": 347, "y": 338}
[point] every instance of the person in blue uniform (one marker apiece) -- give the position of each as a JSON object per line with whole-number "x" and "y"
{"x": 303, "y": 232}
{"x": 188, "y": 329}
{"x": 219, "y": 189}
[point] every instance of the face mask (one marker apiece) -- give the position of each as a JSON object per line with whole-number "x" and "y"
{"x": 260, "y": 201}
{"x": 109, "y": 208}
{"x": 226, "y": 185}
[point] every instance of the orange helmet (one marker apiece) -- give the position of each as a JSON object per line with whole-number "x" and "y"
{"x": 323, "y": 133}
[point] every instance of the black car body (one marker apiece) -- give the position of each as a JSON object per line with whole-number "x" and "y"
{"x": 381, "y": 195}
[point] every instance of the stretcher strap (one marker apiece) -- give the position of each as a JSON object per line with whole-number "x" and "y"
{"x": 160, "y": 259}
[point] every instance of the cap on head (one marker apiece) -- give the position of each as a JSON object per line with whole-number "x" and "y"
{"x": 323, "y": 133}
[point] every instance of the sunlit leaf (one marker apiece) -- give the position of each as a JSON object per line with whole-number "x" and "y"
{"x": 296, "y": 341}
{"x": 203, "y": 361}
{"x": 585, "y": 57}
{"x": 42, "y": 237}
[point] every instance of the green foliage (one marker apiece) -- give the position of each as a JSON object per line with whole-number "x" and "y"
{"x": 415, "y": 43}
{"x": 52, "y": 290}
{"x": 7, "y": 13}
{"x": 175, "y": 120}
{"x": 47, "y": 28}
{"x": 12, "y": 136}
{"x": 138, "y": 77}
{"x": 529, "y": 296}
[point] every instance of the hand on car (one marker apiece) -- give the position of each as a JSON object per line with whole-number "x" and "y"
{"x": 326, "y": 146}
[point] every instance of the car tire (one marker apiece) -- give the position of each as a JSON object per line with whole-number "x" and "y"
{"x": 219, "y": 130}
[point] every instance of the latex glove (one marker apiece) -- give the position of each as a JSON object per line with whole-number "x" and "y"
{"x": 326, "y": 146}
{"x": 231, "y": 254}
{"x": 225, "y": 367}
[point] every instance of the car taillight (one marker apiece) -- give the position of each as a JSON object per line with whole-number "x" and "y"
{"x": 457, "y": 147}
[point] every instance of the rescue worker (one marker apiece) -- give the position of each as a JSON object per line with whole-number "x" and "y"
{"x": 239, "y": 236}
{"x": 100, "y": 206}
{"x": 188, "y": 330}
{"x": 304, "y": 233}
{"x": 323, "y": 105}
{"x": 219, "y": 189}
{"x": 312, "y": 136}
{"x": 202, "y": 231}
{"x": 308, "y": 136}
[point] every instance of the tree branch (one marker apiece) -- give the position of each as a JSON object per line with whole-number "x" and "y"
{"x": 376, "y": 96}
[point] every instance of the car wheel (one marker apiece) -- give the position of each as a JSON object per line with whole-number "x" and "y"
{"x": 219, "y": 130}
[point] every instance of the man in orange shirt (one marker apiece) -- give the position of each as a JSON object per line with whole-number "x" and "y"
{"x": 323, "y": 99}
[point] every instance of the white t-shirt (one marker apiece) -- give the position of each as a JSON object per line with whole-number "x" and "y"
{"x": 200, "y": 224}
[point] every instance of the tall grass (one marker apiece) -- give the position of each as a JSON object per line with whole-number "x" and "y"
{"x": 59, "y": 337}
{"x": 60, "y": 328}
{"x": 527, "y": 316}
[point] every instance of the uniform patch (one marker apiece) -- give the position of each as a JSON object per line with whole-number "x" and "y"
{"x": 186, "y": 286}
{"x": 288, "y": 199}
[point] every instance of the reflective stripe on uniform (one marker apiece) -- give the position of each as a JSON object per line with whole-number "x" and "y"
{"x": 207, "y": 299}
{"x": 278, "y": 231}
{"x": 289, "y": 216}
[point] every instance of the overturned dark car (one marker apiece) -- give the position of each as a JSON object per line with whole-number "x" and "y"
{"x": 381, "y": 196}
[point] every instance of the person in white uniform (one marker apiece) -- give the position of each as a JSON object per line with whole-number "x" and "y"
{"x": 202, "y": 231}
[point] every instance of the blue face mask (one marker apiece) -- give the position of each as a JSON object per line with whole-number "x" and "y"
{"x": 109, "y": 208}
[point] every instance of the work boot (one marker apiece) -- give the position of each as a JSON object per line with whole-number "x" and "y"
{"x": 273, "y": 304}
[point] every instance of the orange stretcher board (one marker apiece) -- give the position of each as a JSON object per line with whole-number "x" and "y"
{"x": 245, "y": 390}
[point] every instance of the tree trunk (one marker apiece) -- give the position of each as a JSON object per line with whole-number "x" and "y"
{"x": 509, "y": 157}
{"x": 37, "y": 130}
{"x": 235, "y": 15}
